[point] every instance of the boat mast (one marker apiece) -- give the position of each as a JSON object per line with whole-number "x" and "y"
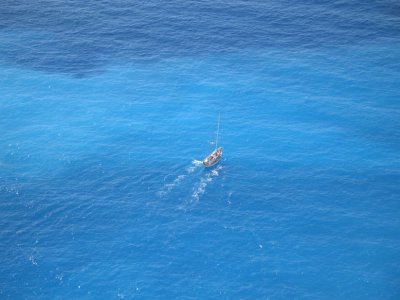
{"x": 216, "y": 141}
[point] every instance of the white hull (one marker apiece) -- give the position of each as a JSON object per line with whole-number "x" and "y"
{"x": 213, "y": 158}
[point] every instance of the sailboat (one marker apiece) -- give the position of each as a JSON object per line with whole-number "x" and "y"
{"x": 215, "y": 156}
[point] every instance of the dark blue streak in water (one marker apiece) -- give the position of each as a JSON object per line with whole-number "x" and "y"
{"x": 81, "y": 38}
{"x": 106, "y": 109}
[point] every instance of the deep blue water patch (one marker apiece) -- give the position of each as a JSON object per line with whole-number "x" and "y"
{"x": 80, "y": 39}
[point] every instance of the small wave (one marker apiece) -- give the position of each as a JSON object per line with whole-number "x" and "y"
{"x": 176, "y": 182}
{"x": 33, "y": 260}
{"x": 168, "y": 187}
{"x": 204, "y": 181}
{"x": 195, "y": 164}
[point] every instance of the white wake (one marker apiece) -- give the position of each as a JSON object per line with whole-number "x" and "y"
{"x": 177, "y": 181}
{"x": 206, "y": 179}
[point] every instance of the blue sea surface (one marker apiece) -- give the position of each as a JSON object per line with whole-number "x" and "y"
{"x": 107, "y": 109}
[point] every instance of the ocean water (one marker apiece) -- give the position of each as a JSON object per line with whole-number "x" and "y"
{"x": 107, "y": 109}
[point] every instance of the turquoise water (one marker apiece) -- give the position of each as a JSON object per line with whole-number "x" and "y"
{"x": 106, "y": 112}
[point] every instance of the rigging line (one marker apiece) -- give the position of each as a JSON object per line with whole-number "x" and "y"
{"x": 216, "y": 142}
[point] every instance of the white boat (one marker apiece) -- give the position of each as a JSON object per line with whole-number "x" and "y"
{"x": 215, "y": 156}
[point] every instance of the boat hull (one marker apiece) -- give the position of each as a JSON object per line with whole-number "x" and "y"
{"x": 213, "y": 158}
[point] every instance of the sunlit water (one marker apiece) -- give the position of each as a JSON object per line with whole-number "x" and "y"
{"x": 108, "y": 108}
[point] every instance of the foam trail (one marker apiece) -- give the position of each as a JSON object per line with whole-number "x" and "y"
{"x": 168, "y": 187}
{"x": 195, "y": 164}
{"x": 204, "y": 181}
